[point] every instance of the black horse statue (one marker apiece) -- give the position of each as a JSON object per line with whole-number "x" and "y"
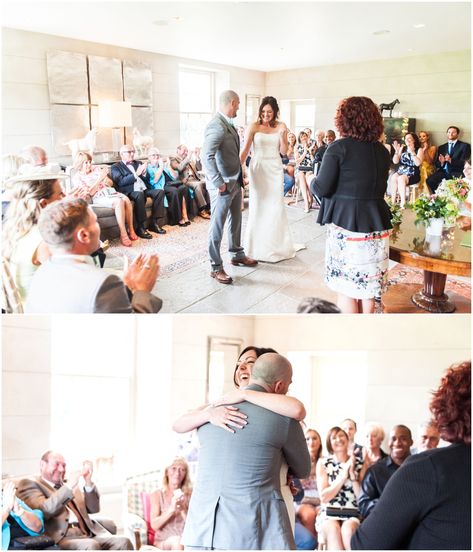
{"x": 388, "y": 107}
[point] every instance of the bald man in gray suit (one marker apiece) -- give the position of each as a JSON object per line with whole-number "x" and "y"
{"x": 221, "y": 159}
{"x": 237, "y": 503}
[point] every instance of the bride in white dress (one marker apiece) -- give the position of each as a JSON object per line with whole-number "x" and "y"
{"x": 268, "y": 237}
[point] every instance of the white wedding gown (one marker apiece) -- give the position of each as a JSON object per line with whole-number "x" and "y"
{"x": 267, "y": 237}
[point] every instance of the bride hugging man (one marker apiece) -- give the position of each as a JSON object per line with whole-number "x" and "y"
{"x": 268, "y": 236}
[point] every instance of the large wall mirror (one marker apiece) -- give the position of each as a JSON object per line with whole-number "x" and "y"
{"x": 251, "y": 108}
{"x": 223, "y": 353}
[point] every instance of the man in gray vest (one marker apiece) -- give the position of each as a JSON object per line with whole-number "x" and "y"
{"x": 237, "y": 501}
{"x": 223, "y": 175}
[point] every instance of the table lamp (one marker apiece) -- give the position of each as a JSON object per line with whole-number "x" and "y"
{"x": 115, "y": 115}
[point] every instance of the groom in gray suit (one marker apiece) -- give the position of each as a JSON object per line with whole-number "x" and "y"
{"x": 237, "y": 502}
{"x": 221, "y": 159}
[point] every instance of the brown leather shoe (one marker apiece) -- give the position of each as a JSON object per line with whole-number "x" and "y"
{"x": 221, "y": 276}
{"x": 244, "y": 261}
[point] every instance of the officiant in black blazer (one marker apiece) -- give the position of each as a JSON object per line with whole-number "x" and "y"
{"x": 129, "y": 177}
{"x": 451, "y": 159}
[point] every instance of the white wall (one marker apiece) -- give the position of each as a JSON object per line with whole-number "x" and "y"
{"x": 435, "y": 89}
{"x": 26, "y": 108}
{"x": 26, "y": 392}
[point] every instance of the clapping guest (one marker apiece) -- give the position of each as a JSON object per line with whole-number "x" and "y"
{"x": 309, "y": 507}
{"x": 339, "y": 484}
{"x": 175, "y": 199}
{"x": 304, "y": 171}
{"x": 169, "y": 506}
{"x": 23, "y": 245}
{"x": 94, "y": 183}
{"x": 189, "y": 176}
{"x": 430, "y": 154}
{"x": 372, "y": 451}
{"x": 349, "y": 427}
{"x": 173, "y": 184}
{"x": 129, "y": 177}
{"x": 18, "y": 520}
{"x": 289, "y": 162}
{"x": 410, "y": 157}
{"x": 69, "y": 281}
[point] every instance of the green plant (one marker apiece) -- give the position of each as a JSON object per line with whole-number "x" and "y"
{"x": 396, "y": 211}
{"x": 435, "y": 206}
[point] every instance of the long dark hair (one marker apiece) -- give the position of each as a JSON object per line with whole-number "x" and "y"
{"x": 258, "y": 351}
{"x": 272, "y": 102}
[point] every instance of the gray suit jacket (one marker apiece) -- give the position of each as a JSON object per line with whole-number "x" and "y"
{"x": 237, "y": 503}
{"x": 37, "y": 493}
{"x": 64, "y": 285}
{"x": 221, "y": 154}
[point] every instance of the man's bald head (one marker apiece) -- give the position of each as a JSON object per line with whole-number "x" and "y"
{"x": 273, "y": 372}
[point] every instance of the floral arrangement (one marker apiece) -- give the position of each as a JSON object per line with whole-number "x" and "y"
{"x": 396, "y": 211}
{"x": 455, "y": 188}
{"x": 435, "y": 206}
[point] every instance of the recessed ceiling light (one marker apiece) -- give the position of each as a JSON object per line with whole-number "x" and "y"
{"x": 410, "y": 50}
{"x": 177, "y": 18}
{"x": 419, "y": 25}
{"x": 160, "y": 23}
{"x": 381, "y": 32}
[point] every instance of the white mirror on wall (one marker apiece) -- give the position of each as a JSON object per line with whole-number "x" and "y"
{"x": 223, "y": 353}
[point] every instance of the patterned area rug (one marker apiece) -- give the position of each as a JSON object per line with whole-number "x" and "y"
{"x": 178, "y": 250}
{"x": 401, "y": 274}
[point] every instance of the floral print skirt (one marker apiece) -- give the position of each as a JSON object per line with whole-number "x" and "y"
{"x": 356, "y": 264}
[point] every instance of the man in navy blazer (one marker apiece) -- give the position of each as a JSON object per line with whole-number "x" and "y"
{"x": 451, "y": 158}
{"x": 129, "y": 177}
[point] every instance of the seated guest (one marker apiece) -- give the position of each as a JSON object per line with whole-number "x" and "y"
{"x": 173, "y": 182}
{"x": 450, "y": 160}
{"x": 289, "y": 163}
{"x": 69, "y": 282}
{"x": 304, "y": 171}
{"x": 372, "y": 451}
{"x": 36, "y": 161}
{"x": 169, "y": 506}
{"x": 188, "y": 174}
{"x": 377, "y": 476}
{"x": 66, "y": 506}
{"x": 129, "y": 178}
{"x": 339, "y": 477}
{"x": 175, "y": 199}
{"x": 307, "y": 510}
{"x": 319, "y": 154}
{"x": 95, "y": 184}
{"x": 349, "y": 427}
{"x": 23, "y": 246}
{"x": 197, "y": 160}
{"x": 429, "y": 436}
{"x": 410, "y": 158}
{"x": 18, "y": 520}
{"x": 426, "y": 504}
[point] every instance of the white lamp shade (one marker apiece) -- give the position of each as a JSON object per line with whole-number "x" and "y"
{"x": 114, "y": 114}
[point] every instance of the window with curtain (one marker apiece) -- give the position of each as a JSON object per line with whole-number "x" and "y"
{"x": 196, "y": 104}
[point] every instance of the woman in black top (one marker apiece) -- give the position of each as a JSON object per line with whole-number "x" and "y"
{"x": 352, "y": 182}
{"x": 426, "y": 504}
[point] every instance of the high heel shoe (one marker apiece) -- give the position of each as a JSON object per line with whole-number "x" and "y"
{"x": 125, "y": 240}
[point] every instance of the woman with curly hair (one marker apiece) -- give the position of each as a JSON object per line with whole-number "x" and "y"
{"x": 23, "y": 246}
{"x": 427, "y": 503}
{"x": 351, "y": 183}
{"x": 169, "y": 506}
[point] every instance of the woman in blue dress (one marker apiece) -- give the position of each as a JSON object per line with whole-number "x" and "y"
{"x": 410, "y": 157}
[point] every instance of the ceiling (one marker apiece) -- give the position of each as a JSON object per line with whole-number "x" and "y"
{"x": 266, "y": 36}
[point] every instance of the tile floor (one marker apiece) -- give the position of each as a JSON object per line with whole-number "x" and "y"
{"x": 267, "y": 288}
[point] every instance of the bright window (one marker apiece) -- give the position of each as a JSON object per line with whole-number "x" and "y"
{"x": 302, "y": 115}
{"x": 196, "y": 104}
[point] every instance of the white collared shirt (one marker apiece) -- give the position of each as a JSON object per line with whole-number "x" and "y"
{"x": 228, "y": 119}
{"x": 139, "y": 185}
{"x": 76, "y": 258}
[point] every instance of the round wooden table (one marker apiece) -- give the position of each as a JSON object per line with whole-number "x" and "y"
{"x": 437, "y": 256}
